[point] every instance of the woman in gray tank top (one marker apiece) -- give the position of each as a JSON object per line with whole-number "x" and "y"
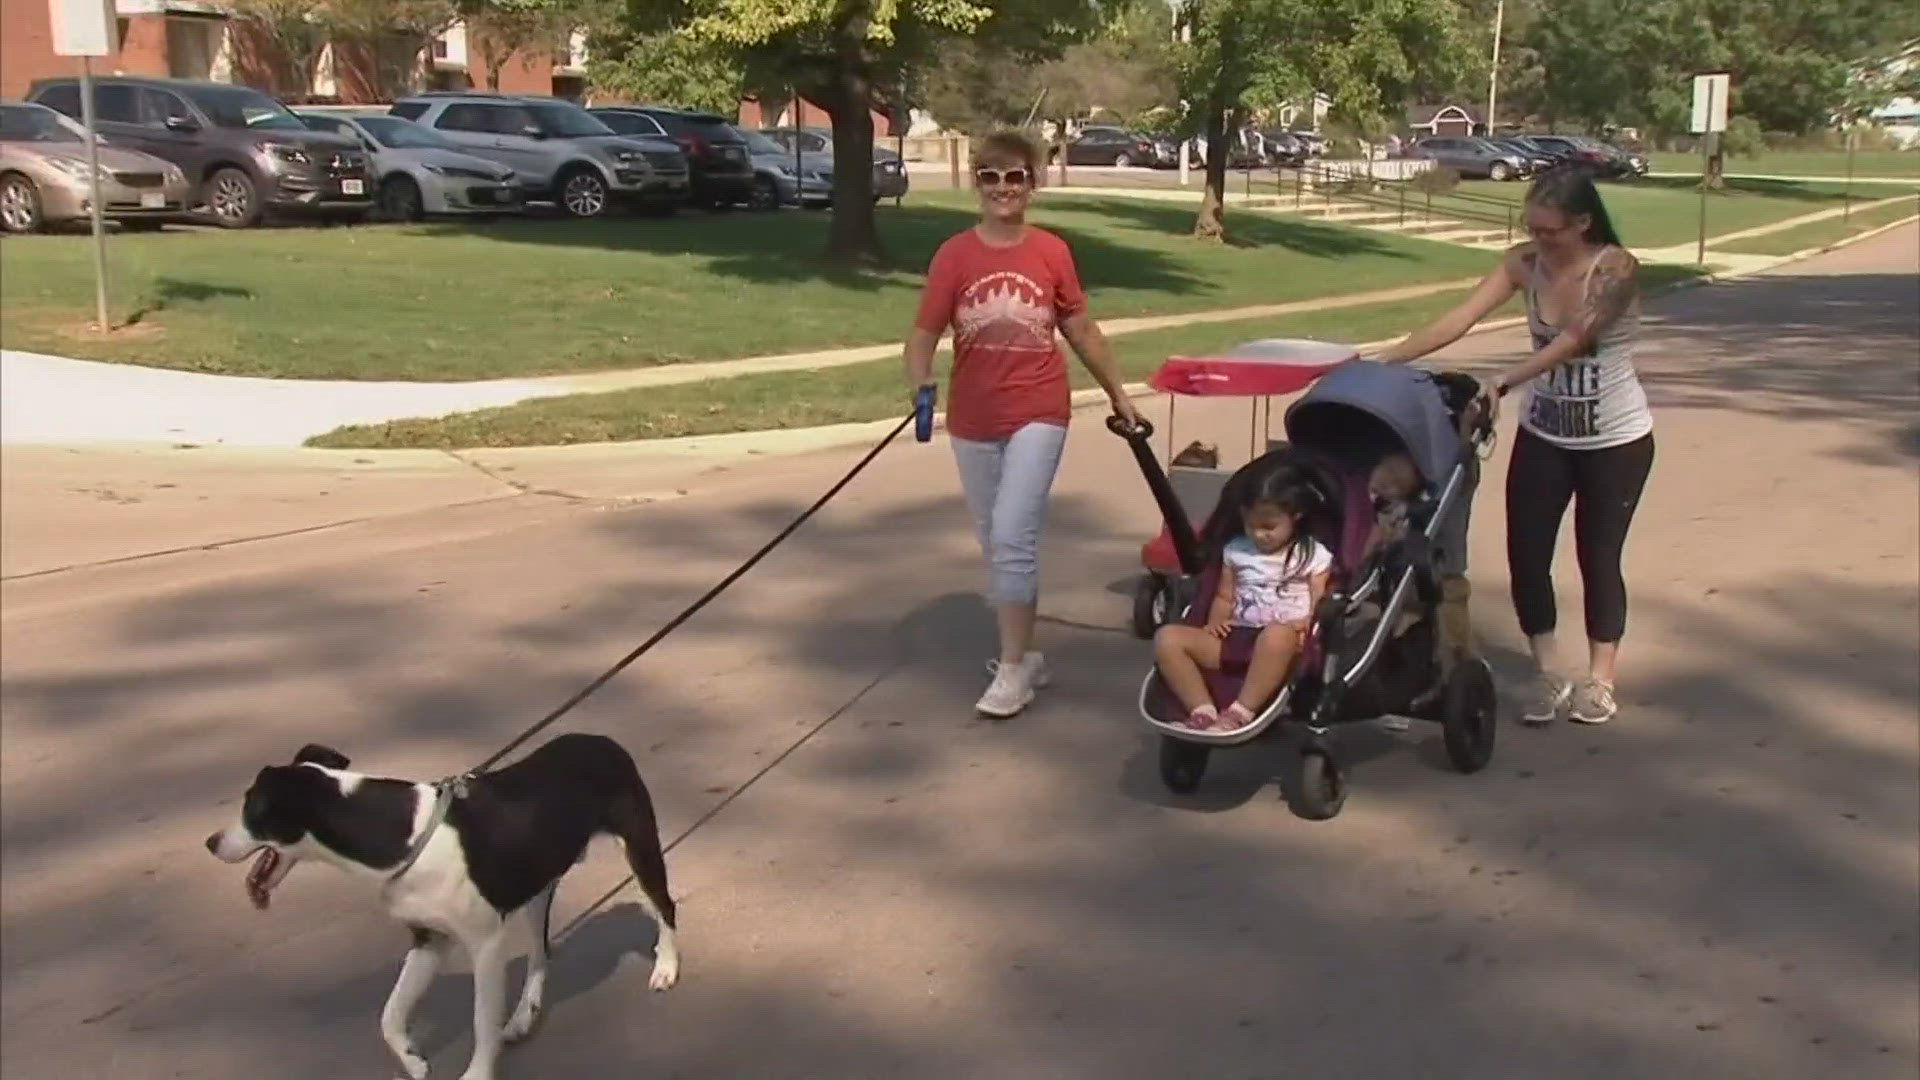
{"x": 1586, "y": 434}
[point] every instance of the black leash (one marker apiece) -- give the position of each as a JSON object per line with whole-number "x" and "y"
{"x": 674, "y": 624}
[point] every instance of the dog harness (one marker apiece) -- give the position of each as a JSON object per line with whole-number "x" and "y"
{"x": 453, "y": 787}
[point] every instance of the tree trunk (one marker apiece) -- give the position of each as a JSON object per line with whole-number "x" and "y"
{"x": 1211, "y": 223}
{"x": 854, "y": 238}
{"x": 1716, "y": 172}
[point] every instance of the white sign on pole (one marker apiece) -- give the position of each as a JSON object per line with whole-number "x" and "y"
{"x": 1710, "y": 102}
{"x": 82, "y": 27}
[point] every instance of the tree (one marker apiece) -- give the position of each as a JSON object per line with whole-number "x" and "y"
{"x": 391, "y": 36}
{"x": 974, "y": 88}
{"x": 281, "y": 40}
{"x": 853, "y": 56}
{"x": 497, "y": 29}
{"x": 1367, "y": 55}
{"x": 664, "y": 66}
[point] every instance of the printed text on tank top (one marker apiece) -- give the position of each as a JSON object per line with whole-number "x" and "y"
{"x": 1594, "y": 398}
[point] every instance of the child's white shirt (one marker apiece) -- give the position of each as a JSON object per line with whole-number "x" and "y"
{"x": 1272, "y": 589}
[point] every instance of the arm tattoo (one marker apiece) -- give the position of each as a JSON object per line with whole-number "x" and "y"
{"x": 1611, "y": 291}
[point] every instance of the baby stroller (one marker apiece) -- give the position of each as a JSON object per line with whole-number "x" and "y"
{"x": 1371, "y": 651}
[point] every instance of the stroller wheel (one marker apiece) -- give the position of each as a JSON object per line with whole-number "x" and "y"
{"x": 1151, "y": 598}
{"x": 1182, "y": 764}
{"x": 1468, "y": 711}
{"x": 1319, "y": 790}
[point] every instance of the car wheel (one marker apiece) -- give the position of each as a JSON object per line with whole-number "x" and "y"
{"x": 20, "y": 205}
{"x": 583, "y": 194}
{"x": 1499, "y": 171}
{"x": 765, "y": 195}
{"x": 400, "y": 199}
{"x": 1122, "y": 161}
{"x": 232, "y": 199}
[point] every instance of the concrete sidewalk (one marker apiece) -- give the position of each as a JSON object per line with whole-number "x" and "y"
{"x": 1720, "y": 885}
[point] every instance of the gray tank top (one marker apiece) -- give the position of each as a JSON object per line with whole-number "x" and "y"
{"x": 1589, "y": 402}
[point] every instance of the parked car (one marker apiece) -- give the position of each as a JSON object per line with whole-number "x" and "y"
{"x": 247, "y": 153}
{"x": 722, "y": 169}
{"x": 559, "y": 151}
{"x": 889, "y": 172}
{"x": 418, "y": 171}
{"x": 1469, "y": 156}
{"x": 1282, "y": 149}
{"x": 1533, "y": 160}
{"x": 1101, "y": 145}
{"x": 1315, "y": 145}
{"x": 1605, "y": 161}
{"x": 780, "y": 180}
{"x": 43, "y": 176}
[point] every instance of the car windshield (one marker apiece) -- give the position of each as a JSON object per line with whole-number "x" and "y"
{"x": 760, "y": 144}
{"x": 397, "y": 134}
{"x": 567, "y": 121}
{"x": 239, "y": 107}
{"x": 31, "y": 123}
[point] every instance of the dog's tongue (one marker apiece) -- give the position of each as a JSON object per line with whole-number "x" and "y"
{"x": 258, "y": 889}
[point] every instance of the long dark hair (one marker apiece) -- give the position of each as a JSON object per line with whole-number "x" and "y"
{"x": 1572, "y": 191}
{"x": 1289, "y": 489}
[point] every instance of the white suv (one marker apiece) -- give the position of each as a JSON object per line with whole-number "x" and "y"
{"x": 559, "y": 151}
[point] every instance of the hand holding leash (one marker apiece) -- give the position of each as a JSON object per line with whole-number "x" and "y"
{"x": 923, "y": 401}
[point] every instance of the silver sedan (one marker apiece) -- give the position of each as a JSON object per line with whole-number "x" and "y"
{"x": 419, "y": 172}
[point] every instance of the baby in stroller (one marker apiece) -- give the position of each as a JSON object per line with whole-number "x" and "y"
{"x": 1273, "y": 575}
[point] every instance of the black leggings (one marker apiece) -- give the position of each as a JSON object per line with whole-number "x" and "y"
{"x": 1605, "y": 486}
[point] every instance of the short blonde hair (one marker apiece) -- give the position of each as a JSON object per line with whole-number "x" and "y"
{"x": 1008, "y": 147}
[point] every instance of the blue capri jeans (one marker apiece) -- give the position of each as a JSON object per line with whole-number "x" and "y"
{"x": 1006, "y": 482}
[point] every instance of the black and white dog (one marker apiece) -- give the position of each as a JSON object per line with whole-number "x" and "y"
{"x": 455, "y": 863}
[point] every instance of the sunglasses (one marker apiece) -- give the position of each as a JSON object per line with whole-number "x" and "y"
{"x": 990, "y": 177}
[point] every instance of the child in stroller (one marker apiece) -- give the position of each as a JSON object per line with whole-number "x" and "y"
{"x": 1273, "y": 575}
{"x": 1372, "y": 647}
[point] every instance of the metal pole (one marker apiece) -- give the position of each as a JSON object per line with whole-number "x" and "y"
{"x": 93, "y": 198}
{"x": 1846, "y": 210}
{"x": 1493, "y": 74}
{"x": 1706, "y": 158}
{"x": 1185, "y": 37}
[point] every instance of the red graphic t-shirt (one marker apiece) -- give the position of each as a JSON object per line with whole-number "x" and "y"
{"x": 1003, "y": 304}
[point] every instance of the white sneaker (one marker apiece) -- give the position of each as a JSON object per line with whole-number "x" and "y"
{"x": 1010, "y": 691}
{"x": 1039, "y": 675}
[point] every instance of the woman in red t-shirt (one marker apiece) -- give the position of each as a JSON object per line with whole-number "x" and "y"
{"x": 1003, "y": 287}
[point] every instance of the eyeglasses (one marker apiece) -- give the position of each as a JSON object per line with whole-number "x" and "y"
{"x": 990, "y": 177}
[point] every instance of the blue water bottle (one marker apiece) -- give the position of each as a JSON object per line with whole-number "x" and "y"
{"x": 923, "y": 413}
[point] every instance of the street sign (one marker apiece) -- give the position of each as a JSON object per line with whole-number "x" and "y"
{"x": 86, "y": 29}
{"x": 1710, "y": 102}
{"x": 82, "y": 27}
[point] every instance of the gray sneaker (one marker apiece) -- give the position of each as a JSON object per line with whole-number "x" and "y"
{"x": 1547, "y": 698}
{"x": 1592, "y": 703}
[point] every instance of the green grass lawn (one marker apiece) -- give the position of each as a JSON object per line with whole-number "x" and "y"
{"x": 1651, "y": 212}
{"x": 1657, "y": 212}
{"x": 850, "y": 393}
{"x": 527, "y": 297}
{"x": 1904, "y": 163}
{"x": 1822, "y": 233}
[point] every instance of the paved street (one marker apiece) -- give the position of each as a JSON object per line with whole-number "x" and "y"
{"x": 1721, "y": 884}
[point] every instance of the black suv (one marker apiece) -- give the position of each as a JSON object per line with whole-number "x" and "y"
{"x": 245, "y": 153}
{"x": 717, "y": 153}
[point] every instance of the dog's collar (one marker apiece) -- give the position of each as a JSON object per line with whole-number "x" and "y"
{"x": 444, "y": 792}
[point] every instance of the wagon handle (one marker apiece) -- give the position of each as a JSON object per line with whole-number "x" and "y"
{"x": 1139, "y": 431}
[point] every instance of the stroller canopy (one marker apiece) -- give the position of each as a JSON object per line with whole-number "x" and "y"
{"x": 1406, "y": 400}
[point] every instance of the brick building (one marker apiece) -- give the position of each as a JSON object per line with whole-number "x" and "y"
{"x": 192, "y": 39}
